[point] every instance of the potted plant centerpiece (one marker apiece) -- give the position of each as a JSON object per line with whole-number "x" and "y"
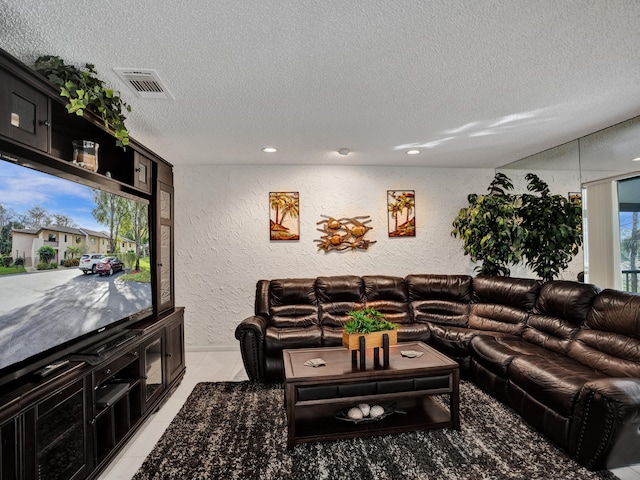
{"x": 371, "y": 324}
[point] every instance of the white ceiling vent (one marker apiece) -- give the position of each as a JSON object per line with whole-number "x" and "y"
{"x": 144, "y": 82}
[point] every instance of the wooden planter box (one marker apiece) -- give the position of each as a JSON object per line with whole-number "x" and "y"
{"x": 373, "y": 340}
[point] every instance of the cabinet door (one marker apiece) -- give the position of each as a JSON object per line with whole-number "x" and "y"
{"x": 175, "y": 347}
{"x": 24, "y": 113}
{"x": 9, "y": 450}
{"x": 164, "y": 245}
{"x": 57, "y": 436}
{"x": 153, "y": 377}
{"x": 142, "y": 172}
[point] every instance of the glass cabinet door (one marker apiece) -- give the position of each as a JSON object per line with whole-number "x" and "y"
{"x": 24, "y": 113}
{"x": 165, "y": 250}
{"x": 153, "y": 377}
{"x": 60, "y": 435}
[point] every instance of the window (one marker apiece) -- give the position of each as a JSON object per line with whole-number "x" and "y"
{"x": 65, "y": 238}
{"x": 52, "y": 237}
{"x": 629, "y": 224}
{"x": 78, "y": 239}
{"x": 93, "y": 241}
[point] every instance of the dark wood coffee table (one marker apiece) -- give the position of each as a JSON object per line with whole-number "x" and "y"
{"x": 314, "y": 394}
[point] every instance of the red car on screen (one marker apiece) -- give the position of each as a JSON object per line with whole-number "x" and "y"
{"x": 109, "y": 265}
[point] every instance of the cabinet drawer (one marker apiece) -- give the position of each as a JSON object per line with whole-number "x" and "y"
{"x": 112, "y": 368}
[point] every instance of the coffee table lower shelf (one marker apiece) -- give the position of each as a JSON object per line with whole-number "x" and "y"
{"x": 315, "y": 423}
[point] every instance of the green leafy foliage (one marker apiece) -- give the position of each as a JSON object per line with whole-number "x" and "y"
{"x": 367, "y": 320}
{"x": 46, "y": 254}
{"x": 84, "y": 90}
{"x": 6, "y": 260}
{"x": 46, "y": 266}
{"x": 554, "y": 229}
{"x": 490, "y": 228}
{"x": 541, "y": 230}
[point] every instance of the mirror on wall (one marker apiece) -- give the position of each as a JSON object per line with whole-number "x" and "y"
{"x": 583, "y": 166}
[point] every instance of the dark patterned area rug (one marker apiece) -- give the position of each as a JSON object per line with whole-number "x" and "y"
{"x": 237, "y": 430}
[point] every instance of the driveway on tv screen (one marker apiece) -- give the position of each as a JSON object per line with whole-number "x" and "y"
{"x": 84, "y": 302}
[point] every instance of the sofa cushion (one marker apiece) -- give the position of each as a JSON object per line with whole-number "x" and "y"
{"x": 497, "y": 318}
{"x": 396, "y": 312}
{"x": 287, "y": 316}
{"x": 493, "y": 355}
{"x": 292, "y": 291}
{"x": 610, "y": 339}
{"x": 552, "y": 333}
{"x": 611, "y": 353}
{"x": 292, "y": 303}
{"x": 452, "y": 340}
{"x": 412, "y": 332}
{"x": 277, "y": 339}
{"x": 616, "y": 312}
{"x": 382, "y": 287}
{"x": 454, "y": 288}
{"x": 342, "y": 288}
{"x": 442, "y": 299}
{"x": 443, "y": 312}
{"x": 335, "y": 314}
{"x": 569, "y": 301}
{"x": 520, "y": 293}
{"x": 389, "y": 296}
{"x": 553, "y": 380}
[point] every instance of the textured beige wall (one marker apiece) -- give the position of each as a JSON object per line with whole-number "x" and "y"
{"x": 222, "y": 245}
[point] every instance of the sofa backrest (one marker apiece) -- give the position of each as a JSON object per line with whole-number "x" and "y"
{"x": 293, "y": 302}
{"x": 561, "y": 308}
{"x": 502, "y": 304}
{"x": 337, "y": 296}
{"x": 441, "y": 299}
{"x": 610, "y": 338}
{"x": 388, "y": 295}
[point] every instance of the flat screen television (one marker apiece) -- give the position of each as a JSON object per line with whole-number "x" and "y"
{"x": 49, "y": 305}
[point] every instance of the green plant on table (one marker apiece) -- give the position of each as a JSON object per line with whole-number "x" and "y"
{"x": 367, "y": 320}
{"x": 84, "y": 90}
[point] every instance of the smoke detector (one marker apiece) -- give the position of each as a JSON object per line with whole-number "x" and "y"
{"x": 145, "y": 83}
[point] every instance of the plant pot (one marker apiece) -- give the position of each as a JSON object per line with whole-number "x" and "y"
{"x": 373, "y": 340}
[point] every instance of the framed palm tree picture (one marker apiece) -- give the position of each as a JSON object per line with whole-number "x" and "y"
{"x": 284, "y": 215}
{"x": 401, "y": 211}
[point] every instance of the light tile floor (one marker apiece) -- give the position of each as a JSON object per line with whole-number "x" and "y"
{"x": 206, "y": 367}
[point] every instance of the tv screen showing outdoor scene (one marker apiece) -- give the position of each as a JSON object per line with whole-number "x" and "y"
{"x": 73, "y": 260}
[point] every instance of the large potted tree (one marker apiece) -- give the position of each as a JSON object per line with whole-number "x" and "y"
{"x": 541, "y": 230}
{"x": 490, "y": 228}
{"x": 553, "y": 226}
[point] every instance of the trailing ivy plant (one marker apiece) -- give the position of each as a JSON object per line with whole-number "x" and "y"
{"x": 84, "y": 90}
{"x": 367, "y": 320}
{"x": 553, "y": 226}
{"x": 490, "y": 228}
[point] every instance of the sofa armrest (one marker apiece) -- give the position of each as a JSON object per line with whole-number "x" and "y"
{"x": 251, "y": 334}
{"x": 604, "y": 431}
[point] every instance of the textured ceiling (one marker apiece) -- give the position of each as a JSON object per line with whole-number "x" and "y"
{"x": 470, "y": 83}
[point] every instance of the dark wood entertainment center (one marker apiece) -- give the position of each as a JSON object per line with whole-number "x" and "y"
{"x": 70, "y": 423}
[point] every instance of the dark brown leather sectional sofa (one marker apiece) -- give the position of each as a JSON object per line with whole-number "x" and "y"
{"x": 564, "y": 355}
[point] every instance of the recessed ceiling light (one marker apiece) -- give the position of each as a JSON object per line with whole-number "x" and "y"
{"x": 637, "y": 159}
{"x": 343, "y": 151}
{"x": 412, "y": 152}
{"x": 269, "y": 150}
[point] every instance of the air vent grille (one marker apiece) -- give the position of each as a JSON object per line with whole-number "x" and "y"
{"x": 144, "y": 83}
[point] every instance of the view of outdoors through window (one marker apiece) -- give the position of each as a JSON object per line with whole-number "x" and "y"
{"x": 629, "y": 207}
